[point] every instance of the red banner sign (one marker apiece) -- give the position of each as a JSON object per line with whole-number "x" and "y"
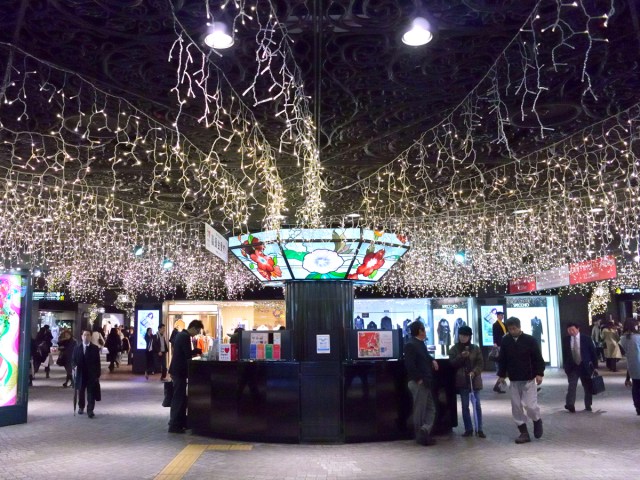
{"x": 522, "y": 284}
{"x": 593, "y": 270}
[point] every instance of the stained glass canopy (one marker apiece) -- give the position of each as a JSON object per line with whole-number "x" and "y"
{"x": 356, "y": 254}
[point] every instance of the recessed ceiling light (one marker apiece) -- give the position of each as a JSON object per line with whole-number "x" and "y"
{"x": 353, "y": 215}
{"x": 218, "y": 36}
{"x": 597, "y": 210}
{"x": 522, "y": 211}
{"x": 418, "y": 34}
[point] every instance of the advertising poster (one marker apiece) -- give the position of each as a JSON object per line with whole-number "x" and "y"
{"x": 377, "y": 314}
{"x": 323, "y": 344}
{"x": 146, "y": 319}
{"x": 488, "y": 317}
{"x": 10, "y": 298}
{"x": 449, "y": 314}
{"x": 532, "y": 312}
{"x": 259, "y": 338}
{"x": 224, "y": 352}
{"x": 375, "y": 344}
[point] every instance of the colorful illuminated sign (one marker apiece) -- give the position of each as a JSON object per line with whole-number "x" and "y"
{"x": 10, "y": 301}
{"x": 363, "y": 256}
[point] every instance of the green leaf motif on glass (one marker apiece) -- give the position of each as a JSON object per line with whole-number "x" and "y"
{"x": 373, "y": 274}
{"x": 295, "y": 255}
{"x": 371, "y": 248}
{"x": 314, "y": 276}
{"x": 275, "y": 260}
{"x": 250, "y": 239}
{"x": 252, "y": 266}
{"x": 335, "y": 275}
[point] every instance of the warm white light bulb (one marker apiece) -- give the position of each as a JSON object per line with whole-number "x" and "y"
{"x": 418, "y": 34}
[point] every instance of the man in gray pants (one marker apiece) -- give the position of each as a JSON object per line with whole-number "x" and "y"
{"x": 419, "y": 365}
{"x": 520, "y": 359}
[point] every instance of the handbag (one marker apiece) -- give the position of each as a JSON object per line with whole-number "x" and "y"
{"x": 97, "y": 392}
{"x": 597, "y": 383}
{"x": 168, "y": 394}
{"x": 494, "y": 353}
{"x": 61, "y": 361}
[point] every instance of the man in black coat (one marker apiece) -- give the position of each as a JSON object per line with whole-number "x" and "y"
{"x": 579, "y": 356}
{"x": 179, "y": 370}
{"x": 521, "y": 360}
{"x": 160, "y": 348}
{"x": 419, "y": 365}
{"x": 86, "y": 364}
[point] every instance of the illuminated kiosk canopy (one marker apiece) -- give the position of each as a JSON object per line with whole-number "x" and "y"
{"x": 355, "y": 254}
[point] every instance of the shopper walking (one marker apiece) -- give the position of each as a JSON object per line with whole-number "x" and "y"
{"x": 86, "y": 363}
{"x": 520, "y": 359}
{"x": 114, "y": 345}
{"x": 499, "y": 331}
{"x": 612, "y": 351}
{"x": 630, "y": 341}
{"x": 44, "y": 341}
{"x": 148, "y": 352}
{"x": 66, "y": 347}
{"x": 466, "y": 358}
{"x": 579, "y": 357}
{"x": 160, "y": 351}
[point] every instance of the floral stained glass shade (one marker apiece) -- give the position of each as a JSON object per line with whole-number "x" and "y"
{"x": 362, "y": 256}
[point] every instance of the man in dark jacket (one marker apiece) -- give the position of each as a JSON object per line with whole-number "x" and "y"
{"x": 419, "y": 365}
{"x": 160, "y": 348}
{"x": 179, "y": 370}
{"x": 520, "y": 359}
{"x": 86, "y": 364}
{"x": 579, "y": 356}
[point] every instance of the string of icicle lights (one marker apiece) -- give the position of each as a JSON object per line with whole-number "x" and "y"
{"x": 203, "y": 85}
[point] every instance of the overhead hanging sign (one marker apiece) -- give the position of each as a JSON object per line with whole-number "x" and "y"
{"x": 593, "y": 270}
{"x": 553, "y": 278}
{"x": 522, "y": 284}
{"x": 216, "y": 243}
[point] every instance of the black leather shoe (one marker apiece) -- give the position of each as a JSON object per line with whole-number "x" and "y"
{"x": 468, "y": 433}
{"x": 588, "y": 409}
{"x": 481, "y": 434}
{"x": 90, "y": 414}
{"x": 571, "y": 408}
{"x": 81, "y": 411}
{"x": 177, "y": 430}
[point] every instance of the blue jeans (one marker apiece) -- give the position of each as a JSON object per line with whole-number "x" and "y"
{"x": 466, "y": 414}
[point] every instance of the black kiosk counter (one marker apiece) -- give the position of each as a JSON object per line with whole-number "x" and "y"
{"x": 263, "y": 400}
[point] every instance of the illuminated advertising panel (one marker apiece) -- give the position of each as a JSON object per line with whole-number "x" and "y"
{"x": 146, "y": 319}
{"x": 10, "y": 302}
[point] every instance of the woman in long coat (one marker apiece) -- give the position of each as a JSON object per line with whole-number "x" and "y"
{"x": 612, "y": 351}
{"x": 114, "y": 345}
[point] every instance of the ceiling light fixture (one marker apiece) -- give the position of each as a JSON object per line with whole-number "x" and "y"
{"x": 167, "y": 264}
{"x": 218, "y": 36}
{"x": 522, "y": 211}
{"x": 460, "y": 256}
{"x": 418, "y": 34}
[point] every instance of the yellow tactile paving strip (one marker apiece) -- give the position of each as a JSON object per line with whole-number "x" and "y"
{"x": 189, "y": 455}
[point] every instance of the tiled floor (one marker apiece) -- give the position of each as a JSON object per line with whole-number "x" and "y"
{"x": 128, "y": 439}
